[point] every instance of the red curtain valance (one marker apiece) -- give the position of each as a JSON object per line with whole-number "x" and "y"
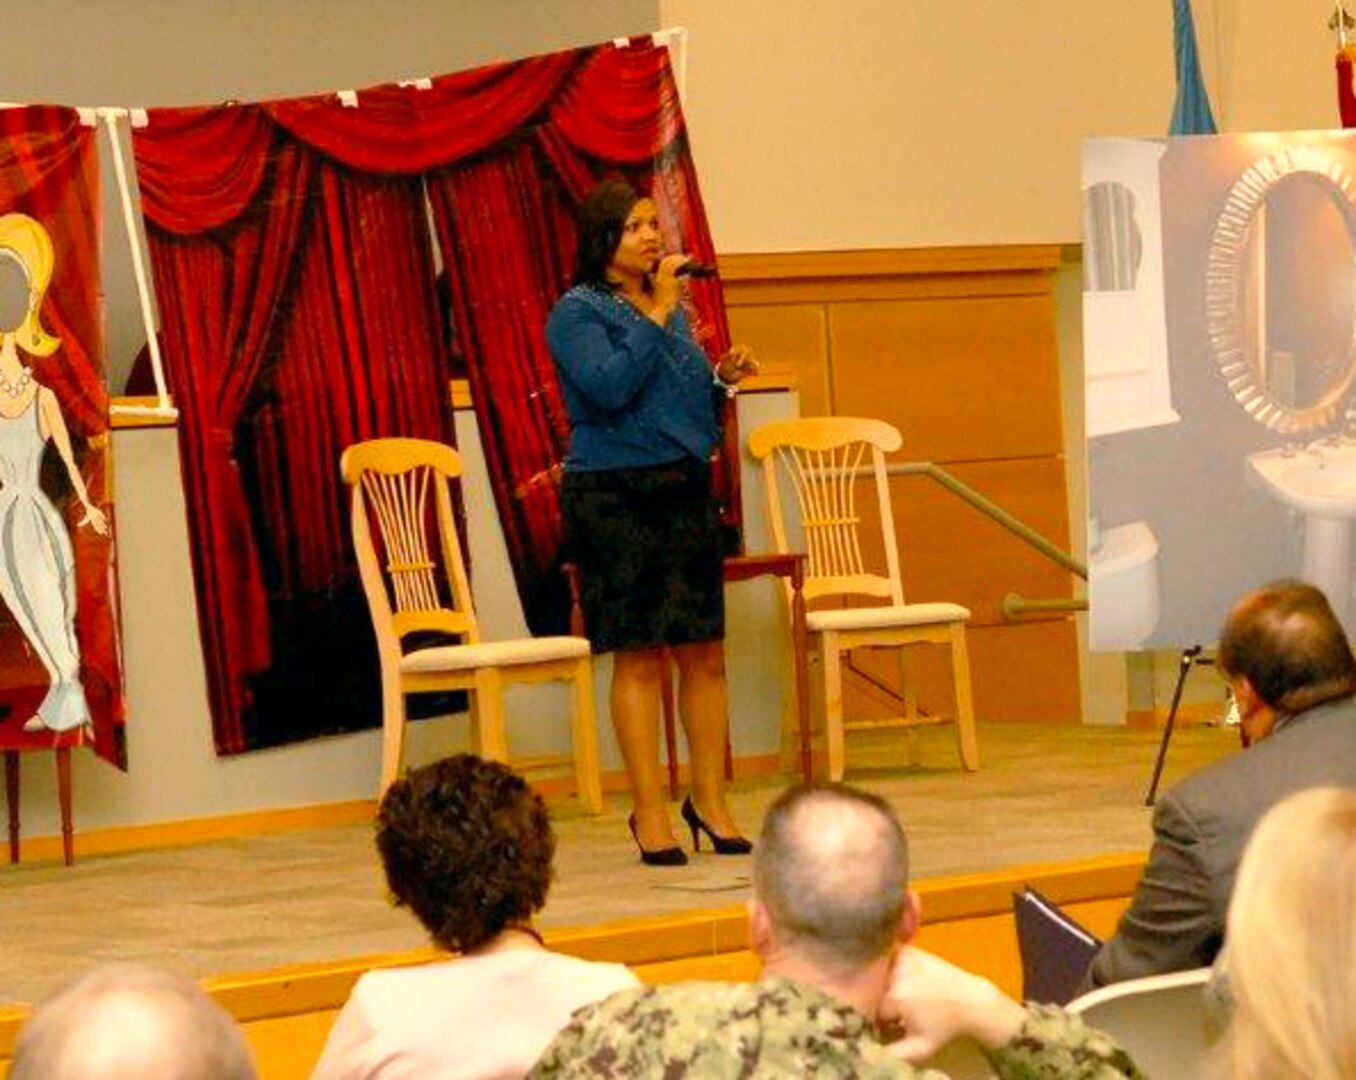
{"x": 640, "y": 115}
{"x": 199, "y": 168}
{"x": 403, "y": 129}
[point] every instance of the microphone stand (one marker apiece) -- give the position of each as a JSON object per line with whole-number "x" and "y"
{"x": 1190, "y": 656}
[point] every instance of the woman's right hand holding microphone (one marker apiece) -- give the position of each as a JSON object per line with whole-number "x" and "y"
{"x": 668, "y": 289}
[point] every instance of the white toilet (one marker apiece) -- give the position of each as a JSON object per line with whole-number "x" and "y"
{"x": 1123, "y": 588}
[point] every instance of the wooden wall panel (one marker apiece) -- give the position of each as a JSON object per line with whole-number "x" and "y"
{"x": 1018, "y": 672}
{"x": 957, "y": 348}
{"x": 791, "y": 341}
{"x": 961, "y": 378}
{"x": 950, "y": 551}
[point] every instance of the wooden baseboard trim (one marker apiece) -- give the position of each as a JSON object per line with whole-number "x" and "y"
{"x": 969, "y": 896}
{"x": 1197, "y": 714}
{"x": 168, "y": 834}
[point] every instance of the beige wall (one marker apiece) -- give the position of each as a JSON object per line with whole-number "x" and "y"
{"x": 880, "y": 123}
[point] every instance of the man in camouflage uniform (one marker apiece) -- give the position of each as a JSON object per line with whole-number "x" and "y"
{"x": 831, "y": 917}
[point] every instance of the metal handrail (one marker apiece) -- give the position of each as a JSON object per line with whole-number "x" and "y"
{"x": 992, "y": 510}
{"x": 1013, "y": 606}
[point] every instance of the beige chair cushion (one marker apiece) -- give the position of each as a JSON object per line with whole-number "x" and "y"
{"x": 494, "y": 654}
{"x": 865, "y": 618}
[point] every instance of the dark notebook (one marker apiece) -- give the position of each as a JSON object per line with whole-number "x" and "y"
{"x": 1055, "y": 950}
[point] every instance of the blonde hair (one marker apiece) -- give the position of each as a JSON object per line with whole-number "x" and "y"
{"x": 1291, "y": 953}
{"x": 24, "y": 240}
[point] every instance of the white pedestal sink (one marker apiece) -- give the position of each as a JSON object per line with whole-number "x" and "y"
{"x": 1319, "y": 482}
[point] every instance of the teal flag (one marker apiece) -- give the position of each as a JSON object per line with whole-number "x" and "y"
{"x": 1191, "y": 113}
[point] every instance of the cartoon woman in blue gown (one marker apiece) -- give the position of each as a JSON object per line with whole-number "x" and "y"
{"x": 37, "y": 564}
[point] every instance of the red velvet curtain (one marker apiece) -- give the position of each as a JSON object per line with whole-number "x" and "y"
{"x": 361, "y": 353}
{"x": 298, "y": 317}
{"x": 49, "y": 171}
{"x": 228, "y": 195}
{"x": 220, "y": 281}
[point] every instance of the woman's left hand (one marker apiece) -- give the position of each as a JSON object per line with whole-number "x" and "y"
{"x": 95, "y": 518}
{"x": 736, "y": 364}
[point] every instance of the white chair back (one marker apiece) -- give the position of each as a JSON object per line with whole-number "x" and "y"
{"x": 1162, "y": 1021}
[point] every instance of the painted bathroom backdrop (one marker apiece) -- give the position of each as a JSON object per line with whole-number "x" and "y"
{"x": 1220, "y": 359}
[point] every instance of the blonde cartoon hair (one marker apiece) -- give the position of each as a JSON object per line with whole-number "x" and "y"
{"x": 1291, "y": 952}
{"x": 26, "y": 242}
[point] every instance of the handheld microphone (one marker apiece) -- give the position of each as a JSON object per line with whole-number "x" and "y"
{"x": 694, "y": 269}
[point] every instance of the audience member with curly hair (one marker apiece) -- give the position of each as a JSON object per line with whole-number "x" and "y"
{"x": 466, "y": 846}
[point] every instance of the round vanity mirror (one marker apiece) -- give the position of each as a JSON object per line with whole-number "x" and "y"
{"x": 1281, "y": 290}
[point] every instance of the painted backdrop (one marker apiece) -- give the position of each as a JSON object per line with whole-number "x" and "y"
{"x": 60, "y": 674}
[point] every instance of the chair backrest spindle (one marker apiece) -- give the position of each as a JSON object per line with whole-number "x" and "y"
{"x": 391, "y": 481}
{"x": 821, "y": 458}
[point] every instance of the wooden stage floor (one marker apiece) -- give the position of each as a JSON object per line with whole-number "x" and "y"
{"x": 1046, "y": 793}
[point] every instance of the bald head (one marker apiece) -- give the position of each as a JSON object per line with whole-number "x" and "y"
{"x": 127, "y": 1021}
{"x": 1285, "y": 640}
{"x": 831, "y": 868}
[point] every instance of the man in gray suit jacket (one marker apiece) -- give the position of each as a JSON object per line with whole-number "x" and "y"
{"x": 1288, "y": 663}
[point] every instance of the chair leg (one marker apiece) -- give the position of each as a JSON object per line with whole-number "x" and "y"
{"x": 583, "y": 720}
{"x": 392, "y": 732}
{"x": 12, "y": 800}
{"x": 832, "y": 675}
{"x": 492, "y": 742}
{"x": 965, "y": 712}
{"x": 63, "y": 763}
{"x": 814, "y": 665}
{"x": 909, "y": 694}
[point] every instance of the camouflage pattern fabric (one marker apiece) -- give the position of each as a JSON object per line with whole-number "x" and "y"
{"x": 778, "y": 1028}
{"x": 1054, "y": 1045}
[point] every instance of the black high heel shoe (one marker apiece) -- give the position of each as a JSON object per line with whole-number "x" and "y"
{"x": 722, "y": 845}
{"x": 669, "y": 856}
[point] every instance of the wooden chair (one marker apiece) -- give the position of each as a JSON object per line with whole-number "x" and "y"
{"x": 820, "y": 457}
{"x": 403, "y": 486}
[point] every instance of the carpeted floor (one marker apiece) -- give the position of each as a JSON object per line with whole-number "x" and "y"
{"x": 1046, "y": 793}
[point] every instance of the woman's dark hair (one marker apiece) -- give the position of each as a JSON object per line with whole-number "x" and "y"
{"x": 600, "y": 220}
{"x": 467, "y": 847}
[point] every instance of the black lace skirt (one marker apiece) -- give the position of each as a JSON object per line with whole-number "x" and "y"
{"x": 649, "y": 547}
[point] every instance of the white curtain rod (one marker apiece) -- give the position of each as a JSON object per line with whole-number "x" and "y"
{"x": 162, "y": 405}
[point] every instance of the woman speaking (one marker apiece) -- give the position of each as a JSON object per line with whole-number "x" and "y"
{"x": 640, "y": 518}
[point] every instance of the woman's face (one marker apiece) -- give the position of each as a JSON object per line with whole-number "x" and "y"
{"x": 638, "y": 250}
